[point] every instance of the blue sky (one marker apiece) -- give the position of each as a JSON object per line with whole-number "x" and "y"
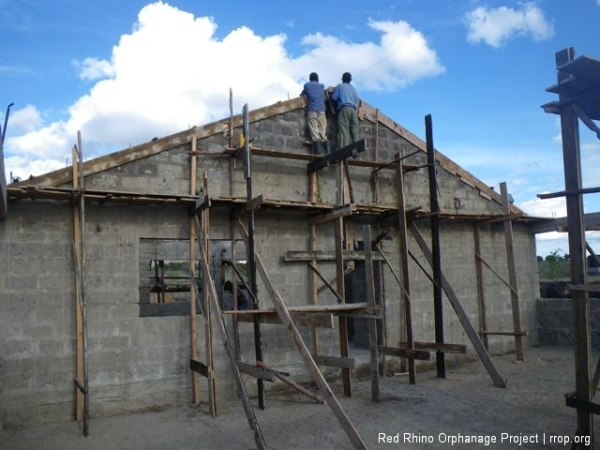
{"x": 124, "y": 72}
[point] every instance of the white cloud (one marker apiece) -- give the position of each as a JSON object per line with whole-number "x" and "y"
{"x": 25, "y": 119}
{"x": 400, "y": 58}
{"x": 94, "y": 69}
{"x": 551, "y": 207}
{"x": 496, "y": 26}
{"x": 172, "y": 72}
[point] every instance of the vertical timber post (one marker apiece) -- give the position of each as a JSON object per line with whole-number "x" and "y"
{"x": 435, "y": 249}
{"x": 403, "y": 250}
{"x": 480, "y": 289}
{"x": 252, "y": 253}
{"x": 581, "y": 301}
{"x": 192, "y": 261}
{"x": 370, "y": 287}
{"x": 81, "y": 381}
{"x": 340, "y": 283}
{"x": 512, "y": 273}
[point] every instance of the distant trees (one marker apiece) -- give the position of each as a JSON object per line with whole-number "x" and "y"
{"x": 554, "y": 266}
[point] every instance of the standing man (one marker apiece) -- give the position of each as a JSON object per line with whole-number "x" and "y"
{"x": 315, "y": 113}
{"x": 346, "y": 99}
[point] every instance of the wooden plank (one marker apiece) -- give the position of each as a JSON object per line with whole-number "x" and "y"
{"x": 406, "y": 325}
{"x": 293, "y": 384}
{"x": 78, "y": 258}
{"x": 462, "y": 315}
{"x": 348, "y": 182}
{"x": 319, "y": 320}
{"x": 254, "y": 204}
{"x": 314, "y": 292}
{"x": 409, "y": 353}
{"x": 234, "y": 320}
{"x": 480, "y": 287}
{"x": 234, "y": 152}
{"x": 505, "y": 333}
{"x": 338, "y": 225}
{"x": 351, "y": 150}
{"x": 575, "y": 222}
{"x": 326, "y": 391}
{"x": 435, "y": 248}
{"x": 372, "y": 325}
{"x": 199, "y": 368}
{"x": 512, "y": 275}
{"x": 500, "y": 277}
{"x": 446, "y": 348}
{"x": 256, "y": 372}
{"x": 83, "y": 407}
{"x": 568, "y": 192}
{"x": 101, "y": 196}
{"x": 320, "y": 275}
{"x": 335, "y": 361}
{"x": 250, "y": 242}
{"x": 216, "y": 311}
{"x": 322, "y": 255}
{"x": 193, "y": 299}
{"x": 336, "y": 308}
{"x": 337, "y": 212}
{"x": 584, "y": 287}
{"x": 208, "y": 328}
{"x": 375, "y": 173}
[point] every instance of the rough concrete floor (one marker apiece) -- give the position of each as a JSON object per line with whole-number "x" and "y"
{"x": 466, "y": 403}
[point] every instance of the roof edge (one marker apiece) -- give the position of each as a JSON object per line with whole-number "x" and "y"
{"x": 115, "y": 159}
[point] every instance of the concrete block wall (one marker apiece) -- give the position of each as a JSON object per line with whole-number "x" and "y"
{"x": 555, "y": 320}
{"x": 458, "y": 266}
{"x": 36, "y": 339}
{"x": 136, "y": 362}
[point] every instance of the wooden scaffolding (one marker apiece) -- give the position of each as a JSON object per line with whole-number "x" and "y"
{"x": 377, "y": 221}
{"x": 578, "y": 99}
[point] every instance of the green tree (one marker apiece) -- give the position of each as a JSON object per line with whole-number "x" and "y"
{"x": 553, "y": 263}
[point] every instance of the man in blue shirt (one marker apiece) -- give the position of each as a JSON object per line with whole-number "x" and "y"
{"x": 315, "y": 113}
{"x": 346, "y": 99}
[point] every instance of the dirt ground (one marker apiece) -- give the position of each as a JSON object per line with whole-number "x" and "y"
{"x": 530, "y": 413}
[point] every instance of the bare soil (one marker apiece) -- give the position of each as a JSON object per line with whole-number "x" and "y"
{"x": 450, "y": 413}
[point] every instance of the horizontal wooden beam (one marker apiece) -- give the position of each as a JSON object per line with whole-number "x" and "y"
{"x": 335, "y": 361}
{"x": 256, "y": 372}
{"x": 505, "y": 333}
{"x": 573, "y": 402}
{"x": 591, "y": 220}
{"x": 569, "y": 192}
{"x": 336, "y": 213}
{"x": 434, "y": 346}
{"x": 201, "y": 203}
{"x": 338, "y": 307}
{"x": 254, "y": 204}
{"x": 69, "y": 194}
{"x": 584, "y": 287}
{"x": 405, "y": 353}
{"x": 322, "y": 320}
{"x": 285, "y": 378}
{"x": 198, "y": 367}
{"x": 349, "y": 151}
{"x": 321, "y": 255}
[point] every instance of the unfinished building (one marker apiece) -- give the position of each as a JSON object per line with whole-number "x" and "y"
{"x": 114, "y": 271}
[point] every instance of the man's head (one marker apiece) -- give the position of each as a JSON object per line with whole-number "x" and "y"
{"x": 347, "y": 77}
{"x": 313, "y": 77}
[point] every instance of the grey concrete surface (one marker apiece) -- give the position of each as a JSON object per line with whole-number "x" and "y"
{"x": 433, "y": 412}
